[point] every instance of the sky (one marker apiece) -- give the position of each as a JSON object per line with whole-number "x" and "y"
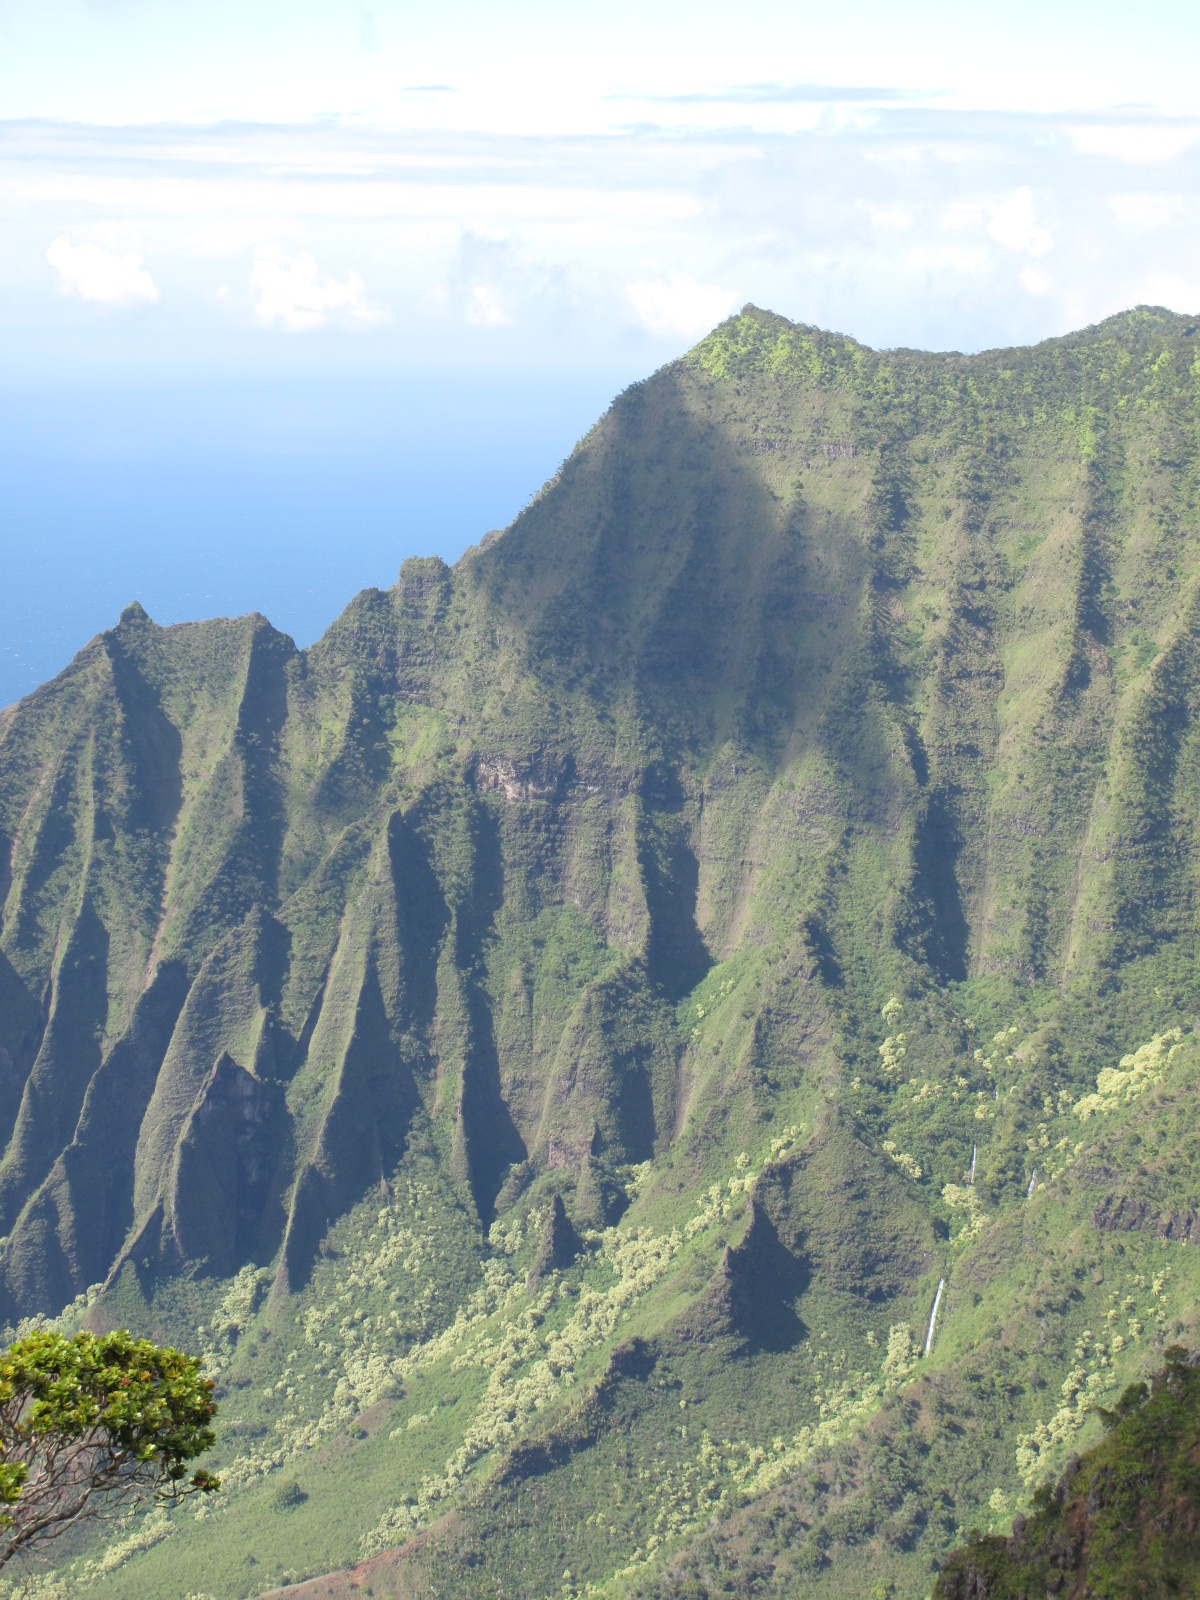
{"x": 289, "y": 292}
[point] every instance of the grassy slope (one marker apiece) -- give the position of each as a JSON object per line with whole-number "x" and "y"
{"x": 817, "y": 676}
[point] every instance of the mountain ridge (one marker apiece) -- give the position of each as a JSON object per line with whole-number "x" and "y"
{"x": 796, "y": 799}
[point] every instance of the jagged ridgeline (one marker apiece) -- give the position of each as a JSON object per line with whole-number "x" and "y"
{"x": 548, "y": 1042}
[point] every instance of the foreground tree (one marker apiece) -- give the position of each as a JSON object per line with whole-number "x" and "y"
{"x": 91, "y": 1424}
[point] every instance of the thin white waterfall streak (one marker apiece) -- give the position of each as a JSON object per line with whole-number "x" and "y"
{"x": 974, "y": 1153}
{"x": 1032, "y": 1181}
{"x": 937, "y": 1300}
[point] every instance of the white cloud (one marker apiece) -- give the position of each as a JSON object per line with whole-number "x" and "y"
{"x": 1034, "y": 281}
{"x": 1174, "y": 289}
{"x": 966, "y": 260}
{"x": 1015, "y": 226}
{"x": 1146, "y": 211}
{"x": 104, "y": 276}
{"x": 292, "y": 293}
{"x": 485, "y": 309}
{"x": 574, "y": 243}
{"x": 678, "y": 304}
{"x": 1136, "y": 142}
{"x": 888, "y": 218}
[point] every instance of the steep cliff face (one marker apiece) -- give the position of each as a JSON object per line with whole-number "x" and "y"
{"x": 818, "y": 676}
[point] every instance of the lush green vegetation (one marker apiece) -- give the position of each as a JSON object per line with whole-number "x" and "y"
{"x": 549, "y": 1042}
{"x": 1120, "y": 1522}
{"x": 89, "y": 1425}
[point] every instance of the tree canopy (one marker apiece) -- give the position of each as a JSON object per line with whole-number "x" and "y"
{"x": 95, "y": 1423}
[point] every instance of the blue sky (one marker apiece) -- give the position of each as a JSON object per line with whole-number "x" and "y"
{"x": 290, "y": 291}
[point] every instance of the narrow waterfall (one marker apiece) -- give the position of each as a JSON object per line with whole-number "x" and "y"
{"x": 974, "y": 1153}
{"x": 1032, "y": 1181}
{"x": 937, "y": 1300}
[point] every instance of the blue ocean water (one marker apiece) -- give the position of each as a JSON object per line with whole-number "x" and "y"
{"x": 284, "y": 494}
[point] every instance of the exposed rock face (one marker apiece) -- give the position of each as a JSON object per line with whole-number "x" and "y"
{"x": 559, "y": 1246}
{"x": 224, "y": 1164}
{"x": 1125, "y": 1214}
